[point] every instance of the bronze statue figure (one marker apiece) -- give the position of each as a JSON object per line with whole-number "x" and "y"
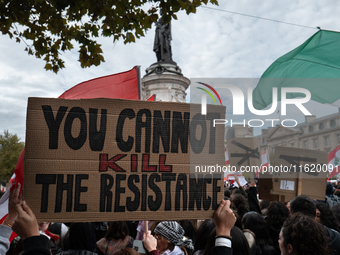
{"x": 162, "y": 43}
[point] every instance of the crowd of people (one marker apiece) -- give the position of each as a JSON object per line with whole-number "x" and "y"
{"x": 241, "y": 225}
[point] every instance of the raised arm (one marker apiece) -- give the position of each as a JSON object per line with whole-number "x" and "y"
{"x": 224, "y": 219}
{"x": 26, "y": 226}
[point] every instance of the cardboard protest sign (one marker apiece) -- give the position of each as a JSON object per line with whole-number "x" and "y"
{"x": 111, "y": 159}
{"x": 299, "y": 172}
{"x": 244, "y": 154}
{"x": 265, "y": 186}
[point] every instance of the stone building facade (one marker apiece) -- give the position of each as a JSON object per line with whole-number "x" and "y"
{"x": 321, "y": 134}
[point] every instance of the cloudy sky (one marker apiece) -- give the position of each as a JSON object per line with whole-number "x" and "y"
{"x": 216, "y": 42}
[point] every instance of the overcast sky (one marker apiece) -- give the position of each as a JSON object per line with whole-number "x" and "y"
{"x": 208, "y": 44}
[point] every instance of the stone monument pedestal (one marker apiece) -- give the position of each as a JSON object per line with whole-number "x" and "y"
{"x": 166, "y": 81}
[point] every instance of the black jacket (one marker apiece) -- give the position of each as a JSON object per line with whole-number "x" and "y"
{"x": 36, "y": 245}
{"x": 333, "y": 240}
{"x": 221, "y": 250}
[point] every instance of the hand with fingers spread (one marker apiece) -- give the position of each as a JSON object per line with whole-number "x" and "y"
{"x": 149, "y": 241}
{"x": 224, "y": 219}
{"x": 25, "y": 224}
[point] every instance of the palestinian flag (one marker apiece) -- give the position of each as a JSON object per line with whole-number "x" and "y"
{"x": 334, "y": 162}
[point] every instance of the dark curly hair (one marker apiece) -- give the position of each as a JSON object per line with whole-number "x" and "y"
{"x": 304, "y": 205}
{"x": 238, "y": 202}
{"x": 277, "y": 213}
{"x": 327, "y": 217}
{"x": 305, "y": 235}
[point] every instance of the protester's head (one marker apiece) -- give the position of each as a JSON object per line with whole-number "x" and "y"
{"x": 235, "y": 191}
{"x": 337, "y": 192}
{"x": 203, "y": 233}
{"x": 257, "y": 224}
{"x": 329, "y": 189}
{"x": 170, "y": 234}
{"x": 302, "y": 235}
{"x": 325, "y": 216}
{"x": 126, "y": 251}
{"x": 277, "y": 213}
{"x": 304, "y": 205}
{"x": 227, "y": 193}
{"x": 264, "y": 204}
{"x": 82, "y": 236}
{"x": 238, "y": 202}
{"x": 117, "y": 230}
{"x": 43, "y": 226}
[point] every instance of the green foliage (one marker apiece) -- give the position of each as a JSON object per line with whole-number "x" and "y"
{"x": 50, "y": 27}
{"x": 10, "y": 149}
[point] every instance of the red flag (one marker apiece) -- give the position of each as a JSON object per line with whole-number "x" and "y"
{"x": 19, "y": 169}
{"x": 124, "y": 85}
{"x": 152, "y": 98}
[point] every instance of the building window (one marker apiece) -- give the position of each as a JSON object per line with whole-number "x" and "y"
{"x": 305, "y": 144}
{"x": 310, "y": 128}
{"x": 333, "y": 123}
{"x": 327, "y": 124}
{"x": 316, "y": 143}
{"x": 292, "y": 144}
{"x": 321, "y": 126}
{"x": 327, "y": 140}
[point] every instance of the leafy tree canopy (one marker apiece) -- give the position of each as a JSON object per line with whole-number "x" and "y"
{"x": 49, "y": 27}
{"x": 10, "y": 149}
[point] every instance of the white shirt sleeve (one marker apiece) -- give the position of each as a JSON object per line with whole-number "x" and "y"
{"x": 5, "y": 233}
{"x": 221, "y": 241}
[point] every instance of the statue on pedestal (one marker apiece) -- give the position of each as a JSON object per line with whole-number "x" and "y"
{"x": 164, "y": 78}
{"x": 162, "y": 43}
